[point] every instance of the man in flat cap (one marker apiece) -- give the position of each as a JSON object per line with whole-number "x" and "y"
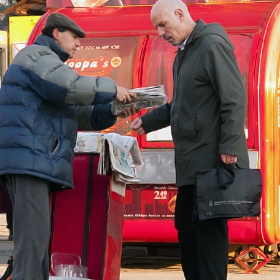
{"x": 57, "y": 19}
{"x": 42, "y": 102}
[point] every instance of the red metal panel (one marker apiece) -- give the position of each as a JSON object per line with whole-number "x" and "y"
{"x": 244, "y": 231}
{"x": 149, "y": 231}
{"x": 88, "y": 220}
{"x": 97, "y": 223}
{"x": 103, "y": 21}
{"x": 113, "y": 241}
{"x": 269, "y": 126}
{"x": 149, "y": 213}
{"x": 69, "y": 215}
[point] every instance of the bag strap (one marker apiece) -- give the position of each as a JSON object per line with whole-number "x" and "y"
{"x": 225, "y": 175}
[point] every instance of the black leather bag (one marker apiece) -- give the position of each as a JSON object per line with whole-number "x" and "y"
{"x": 228, "y": 192}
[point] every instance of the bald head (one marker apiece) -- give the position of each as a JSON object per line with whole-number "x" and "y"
{"x": 172, "y": 20}
{"x": 170, "y": 5}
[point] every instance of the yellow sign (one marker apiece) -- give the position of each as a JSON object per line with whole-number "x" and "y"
{"x": 20, "y": 28}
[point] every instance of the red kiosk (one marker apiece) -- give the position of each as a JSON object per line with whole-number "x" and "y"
{"x": 125, "y": 35}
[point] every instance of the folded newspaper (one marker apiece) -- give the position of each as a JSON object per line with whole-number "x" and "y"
{"x": 148, "y": 97}
{"x": 124, "y": 155}
{"x": 88, "y": 142}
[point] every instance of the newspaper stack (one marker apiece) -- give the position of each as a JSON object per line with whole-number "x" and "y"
{"x": 88, "y": 142}
{"x": 148, "y": 97}
{"x": 124, "y": 155}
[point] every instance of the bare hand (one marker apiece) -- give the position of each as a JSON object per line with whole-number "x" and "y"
{"x": 137, "y": 126}
{"x": 124, "y": 95}
{"x": 128, "y": 112}
{"x": 229, "y": 159}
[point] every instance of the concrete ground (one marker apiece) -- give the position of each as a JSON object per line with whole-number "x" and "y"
{"x": 153, "y": 268}
{"x": 172, "y": 271}
{"x": 6, "y": 247}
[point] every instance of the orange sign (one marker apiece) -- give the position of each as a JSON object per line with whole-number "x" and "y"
{"x": 100, "y": 66}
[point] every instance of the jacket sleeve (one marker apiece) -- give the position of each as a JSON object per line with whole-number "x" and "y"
{"x": 156, "y": 119}
{"x": 228, "y": 84}
{"x": 59, "y": 83}
{"x": 96, "y": 117}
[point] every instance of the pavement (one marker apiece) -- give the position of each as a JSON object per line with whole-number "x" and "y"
{"x": 173, "y": 271}
{"x": 169, "y": 269}
{"x": 154, "y": 268}
{"x": 6, "y": 247}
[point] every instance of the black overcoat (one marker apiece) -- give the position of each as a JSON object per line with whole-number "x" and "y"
{"x": 208, "y": 108}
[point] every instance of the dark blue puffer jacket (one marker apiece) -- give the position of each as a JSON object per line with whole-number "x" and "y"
{"x": 39, "y": 103}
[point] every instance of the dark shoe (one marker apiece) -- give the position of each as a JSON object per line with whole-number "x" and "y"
{"x": 11, "y": 236}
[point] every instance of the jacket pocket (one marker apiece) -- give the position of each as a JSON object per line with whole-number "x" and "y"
{"x": 55, "y": 146}
{"x": 186, "y": 128}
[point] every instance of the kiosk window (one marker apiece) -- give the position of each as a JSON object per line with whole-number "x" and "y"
{"x": 160, "y": 73}
{"x": 242, "y": 50}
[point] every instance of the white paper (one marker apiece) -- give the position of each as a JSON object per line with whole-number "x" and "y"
{"x": 123, "y": 153}
{"x": 148, "y": 97}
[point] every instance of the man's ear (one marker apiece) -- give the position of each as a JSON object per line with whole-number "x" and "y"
{"x": 56, "y": 34}
{"x": 180, "y": 14}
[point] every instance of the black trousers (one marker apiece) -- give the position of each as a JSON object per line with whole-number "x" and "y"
{"x": 203, "y": 244}
{"x": 31, "y": 217}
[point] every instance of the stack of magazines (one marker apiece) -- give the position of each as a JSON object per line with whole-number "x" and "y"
{"x": 123, "y": 154}
{"x": 148, "y": 97}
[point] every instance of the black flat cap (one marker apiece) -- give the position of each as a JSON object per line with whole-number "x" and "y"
{"x": 61, "y": 20}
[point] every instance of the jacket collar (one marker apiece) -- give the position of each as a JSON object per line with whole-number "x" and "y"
{"x": 200, "y": 24}
{"x": 44, "y": 40}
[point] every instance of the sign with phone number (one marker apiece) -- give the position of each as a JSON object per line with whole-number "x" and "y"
{"x": 150, "y": 202}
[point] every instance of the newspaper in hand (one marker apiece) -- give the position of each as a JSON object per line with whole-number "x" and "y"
{"x": 124, "y": 155}
{"x": 148, "y": 97}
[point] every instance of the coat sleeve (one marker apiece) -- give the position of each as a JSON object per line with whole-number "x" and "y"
{"x": 225, "y": 76}
{"x": 157, "y": 118}
{"x": 59, "y": 83}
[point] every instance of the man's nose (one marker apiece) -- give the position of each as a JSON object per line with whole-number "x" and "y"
{"x": 77, "y": 43}
{"x": 160, "y": 32}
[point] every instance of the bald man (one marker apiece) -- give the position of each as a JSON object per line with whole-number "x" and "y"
{"x": 206, "y": 116}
